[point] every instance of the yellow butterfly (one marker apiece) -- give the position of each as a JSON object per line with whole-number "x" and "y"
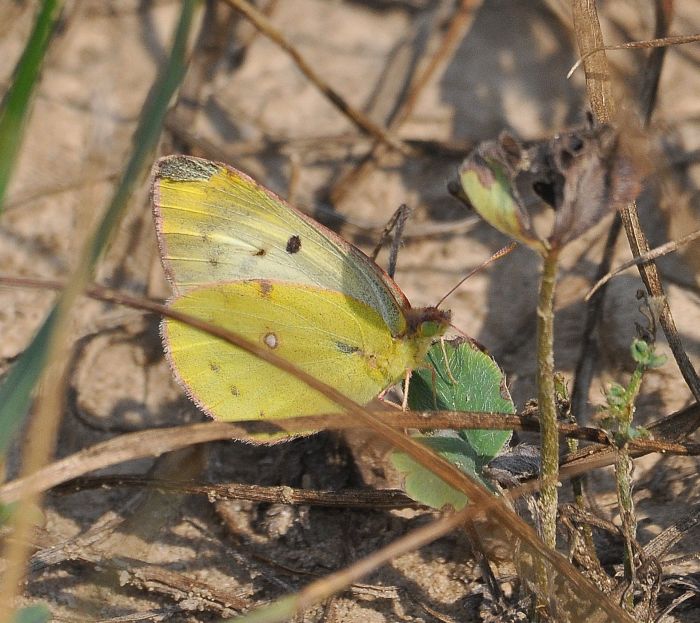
{"x": 239, "y": 257}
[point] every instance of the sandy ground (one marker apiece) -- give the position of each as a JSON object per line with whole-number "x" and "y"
{"x": 508, "y": 73}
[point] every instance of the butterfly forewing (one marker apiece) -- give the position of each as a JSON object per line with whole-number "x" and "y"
{"x": 216, "y": 224}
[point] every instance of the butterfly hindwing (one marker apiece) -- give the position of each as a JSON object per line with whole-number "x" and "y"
{"x": 334, "y": 337}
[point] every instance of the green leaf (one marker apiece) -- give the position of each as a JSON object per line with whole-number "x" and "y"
{"x": 641, "y": 351}
{"x": 644, "y": 354}
{"x": 488, "y": 178}
{"x": 38, "y": 613}
{"x": 282, "y": 609}
{"x": 425, "y": 487}
{"x": 616, "y": 396}
{"x": 18, "y": 384}
{"x": 479, "y": 386}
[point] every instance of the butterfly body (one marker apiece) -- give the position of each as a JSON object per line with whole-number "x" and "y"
{"x": 241, "y": 258}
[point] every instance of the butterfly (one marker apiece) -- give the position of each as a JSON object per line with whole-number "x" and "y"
{"x": 239, "y": 257}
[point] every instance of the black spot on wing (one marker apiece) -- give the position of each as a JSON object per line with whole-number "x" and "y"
{"x": 260, "y": 253}
{"x": 234, "y": 391}
{"x": 214, "y": 367}
{"x": 293, "y": 244}
{"x": 347, "y": 348}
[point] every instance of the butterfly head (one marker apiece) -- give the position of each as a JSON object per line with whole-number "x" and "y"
{"x": 427, "y": 322}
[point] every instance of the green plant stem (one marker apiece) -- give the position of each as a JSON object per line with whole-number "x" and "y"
{"x": 623, "y": 472}
{"x": 580, "y": 501}
{"x": 624, "y": 467}
{"x": 549, "y": 469}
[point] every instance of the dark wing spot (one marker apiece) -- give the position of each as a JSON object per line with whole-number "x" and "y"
{"x": 265, "y": 288}
{"x": 234, "y": 391}
{"x": 214, "y": 261}
{"x": 346, "y": 348}
{"x": 214, "y": 367}
{"x": 260, "y": 253}
{"x": 293, "y": 244}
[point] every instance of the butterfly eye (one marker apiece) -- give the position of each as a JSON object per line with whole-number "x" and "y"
{"x": 430, "y": 328}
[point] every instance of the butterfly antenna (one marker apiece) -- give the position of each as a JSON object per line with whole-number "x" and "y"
{"x": 496, "y": 256}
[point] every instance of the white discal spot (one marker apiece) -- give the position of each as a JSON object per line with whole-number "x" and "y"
{"x": 270, "y": 340}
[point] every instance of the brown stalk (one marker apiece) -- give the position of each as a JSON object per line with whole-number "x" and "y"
{"x": 662, "y": 42}
{"x": 347, "y": 498}
{"x": 156, "y": 442}
{"x": 652, "y": 254}
{"x": 589, "y": 351}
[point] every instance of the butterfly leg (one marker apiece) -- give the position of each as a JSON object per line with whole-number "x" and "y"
{"x": 433, "y": 374}
{"x": 406, "y": 382}
{"x": 447, "y": 363}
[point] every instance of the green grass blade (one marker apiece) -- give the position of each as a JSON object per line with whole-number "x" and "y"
{"x": 16, "y": 105}
{"x": 17, "y": 387}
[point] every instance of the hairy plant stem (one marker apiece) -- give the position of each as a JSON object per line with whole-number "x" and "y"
{"x": 584, "y": 538}
{"x": 586, "y": 534}
{"x": 549, "y": 469}
{"x": 624, "y": 466}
